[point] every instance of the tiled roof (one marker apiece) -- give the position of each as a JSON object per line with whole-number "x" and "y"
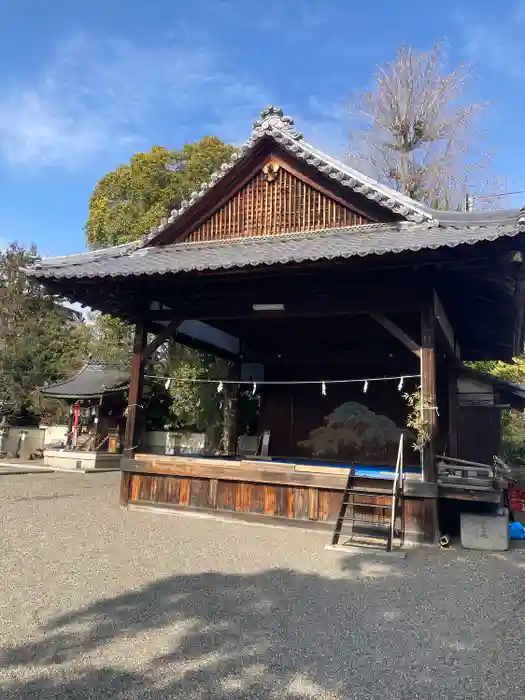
{"x": 93, "y": 380}
{"x": 358, "y": 241}
{"x": 423, "y": 228}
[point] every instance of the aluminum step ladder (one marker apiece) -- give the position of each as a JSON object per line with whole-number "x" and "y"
{"x": 355, "y": 524}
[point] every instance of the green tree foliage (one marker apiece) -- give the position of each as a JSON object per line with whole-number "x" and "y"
{"x": 513, "y": 436}
{"x": 110, "y": 340}
{"x": 125, "y": 204}
{"x": 195, "y": 404}
{"x": 512, "y": 372}
{"x": 128, "y": 201}
{"x": 40, "y": 340}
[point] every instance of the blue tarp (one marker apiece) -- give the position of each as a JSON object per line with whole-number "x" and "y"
{"x": 516, "y": 531}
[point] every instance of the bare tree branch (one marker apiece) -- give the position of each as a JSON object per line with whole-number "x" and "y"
{"x": 416, "y": 131}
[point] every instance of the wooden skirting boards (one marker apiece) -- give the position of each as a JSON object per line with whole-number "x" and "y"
{"x": 288, "y": 497}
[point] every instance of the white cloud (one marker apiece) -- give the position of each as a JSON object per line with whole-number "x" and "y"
{"x": 498, "y": 50}
{"x": 111, "y": 97}
{"x": 519, "y": 12}
{"x": 328, "y": 126}
{"x": 35, "y": 128}
{"x": 298, "y": 22}
{"x": 97, "y": 96}
{"x": 498, "y": 45}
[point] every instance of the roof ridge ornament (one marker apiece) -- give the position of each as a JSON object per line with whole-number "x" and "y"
{"x": 273, "y": 118}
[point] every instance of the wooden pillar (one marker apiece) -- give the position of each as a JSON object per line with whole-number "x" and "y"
{"x": 135, "y": 391}
{"x": 134, "y": 399}
{"x": 232, "y": 437}
{"x": 428, "y": 388}
{"x": 230, "y": 407}
{"x": 452, "y": 379}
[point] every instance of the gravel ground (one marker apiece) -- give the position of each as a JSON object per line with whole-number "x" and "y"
{"x": 98, "y": 602}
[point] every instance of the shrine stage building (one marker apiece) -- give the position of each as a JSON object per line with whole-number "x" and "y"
{"x": 331, "y": 296}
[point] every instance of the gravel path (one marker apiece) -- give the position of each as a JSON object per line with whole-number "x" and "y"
{"x": 97, "y": 602}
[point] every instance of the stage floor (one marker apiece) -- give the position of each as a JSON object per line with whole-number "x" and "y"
{"x": 311, "y": 465}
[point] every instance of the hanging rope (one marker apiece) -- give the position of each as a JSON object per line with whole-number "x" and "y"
{"x": 319, "y": 382}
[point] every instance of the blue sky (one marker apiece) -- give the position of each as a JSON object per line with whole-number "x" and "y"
{"x": 85, "y": 84}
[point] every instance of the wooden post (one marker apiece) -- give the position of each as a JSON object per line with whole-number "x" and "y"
{"x": 135, "y": 390}
{"x": 231, "y": 398}
{"x": 134, "y": 398}
{"x": 452, "y": 378}
{"x": 428, "y": 388}
{"x": 232, "y": 437}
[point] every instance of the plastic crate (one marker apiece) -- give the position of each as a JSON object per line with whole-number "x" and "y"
{"x": 516, "y": 498}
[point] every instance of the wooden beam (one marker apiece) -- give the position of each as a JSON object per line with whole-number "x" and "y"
{"x": 235, "y": 470}
{"x": 276, "y": 288}
{"x": 519, "y": 300}
{"x": 224, "y": 313}
{"x": 452, "y": 383}
{"x": 445, "y": 326}
{"x": 197, "y": 344}
{"x": 160, "y": 338}
{"x": 428, "y": 388}
{"x": 302, "y": 304}
{"x": 135, "y": 389}
{"x": 398, "y": 333}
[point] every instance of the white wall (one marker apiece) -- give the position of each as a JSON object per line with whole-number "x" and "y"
{"x": 162, "y": 442}
{"x": 472, "y": 391}
{"x": 34, "y": 438}
{"x": 54, "y": 433}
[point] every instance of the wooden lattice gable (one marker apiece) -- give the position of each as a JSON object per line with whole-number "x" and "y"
{"x": 276, "y": 200}
{"x": 274, "y": 132}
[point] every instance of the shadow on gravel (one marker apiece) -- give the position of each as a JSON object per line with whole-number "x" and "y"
{"x": 388, "y": 629}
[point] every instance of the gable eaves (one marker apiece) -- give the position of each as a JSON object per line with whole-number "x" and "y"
{"x": 279, "y": 127}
